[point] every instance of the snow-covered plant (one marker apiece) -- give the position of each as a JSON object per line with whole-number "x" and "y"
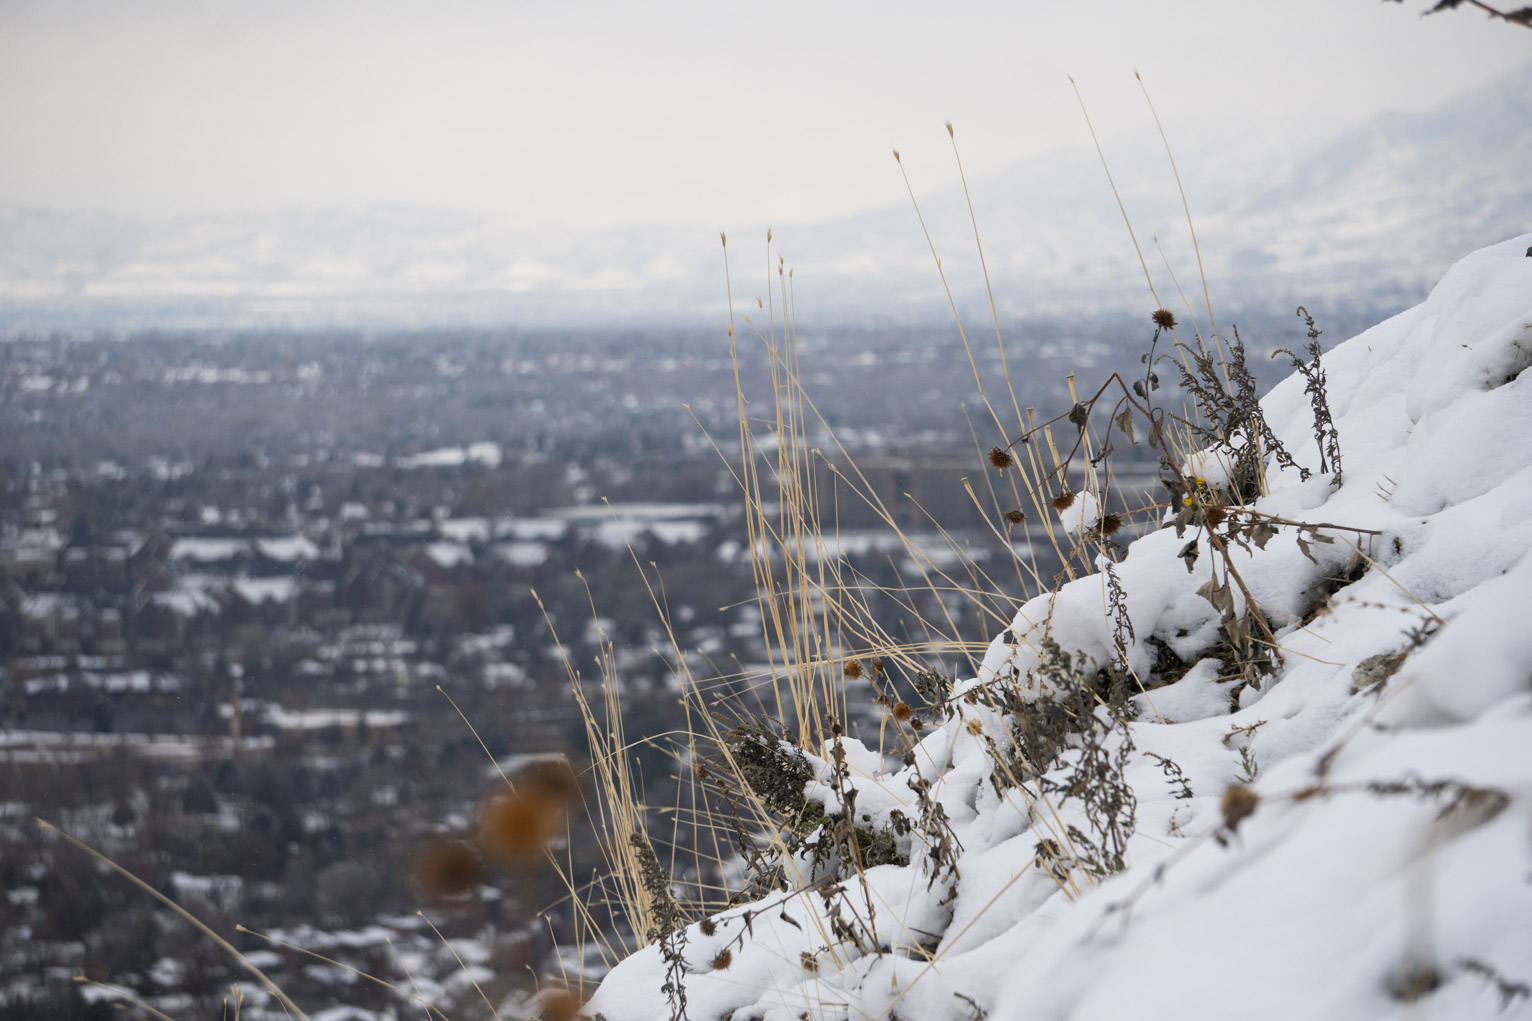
{"x": 1326, "y": 438}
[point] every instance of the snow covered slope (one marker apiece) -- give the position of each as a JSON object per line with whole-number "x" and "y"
{"x": 1375, "y": 857}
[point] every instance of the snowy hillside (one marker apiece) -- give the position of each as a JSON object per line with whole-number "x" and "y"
{"x": 1340, "y": 827}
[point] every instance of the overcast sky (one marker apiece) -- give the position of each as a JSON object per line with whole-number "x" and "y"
{"x": 611, "y": 113}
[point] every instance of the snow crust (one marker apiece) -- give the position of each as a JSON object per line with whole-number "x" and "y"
{"x": 1365, "y": 877}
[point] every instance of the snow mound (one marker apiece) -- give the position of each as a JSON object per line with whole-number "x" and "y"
{"x": 1373, "y": 860}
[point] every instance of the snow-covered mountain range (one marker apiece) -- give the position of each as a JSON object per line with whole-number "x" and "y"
{"x": 1372, "y": 216}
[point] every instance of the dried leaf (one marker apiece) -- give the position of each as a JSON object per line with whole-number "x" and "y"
{"x": 1188, "y": 554}
{"x": 1221, "y": 596}
{"x": 1124, "y": 422}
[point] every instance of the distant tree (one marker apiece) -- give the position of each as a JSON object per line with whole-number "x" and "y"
{"x": 226, "y": 777}
{"x": 102, "y": 716}
{"x": 349, "y": 891}
{"x": 198, "y": 797}
{"x": 80, "y": 531}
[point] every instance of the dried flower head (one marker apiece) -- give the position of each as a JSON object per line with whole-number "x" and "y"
{"x": 552, "y": 780}
{"x": 808, "y": 962}
{"x": 975, "y": 728}
{"x": 446, "y": 868}
{"x": 902, "y": 712}
{"x": 1215, "y": 515}
{"x": 1064, "y": 501}
{"x": 1164, "y": 319}
{"x": 722, "y": 959}
{"x": 1014, "y": 518}
{"x": 1000, "y": 458}
{"x": 558, "y": 1003}
{"x": 1111, "y": 523}
{"x": 1238, "y": 803}
{"x": 517, "y": 827}
{"x": 852, "y": 668}
{"x": 707, "y": 927}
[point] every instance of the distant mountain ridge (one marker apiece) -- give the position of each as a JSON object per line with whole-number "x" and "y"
{"x": 1371, "y": 215}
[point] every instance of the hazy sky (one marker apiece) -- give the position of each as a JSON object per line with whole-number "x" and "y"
{"x": 715, "y": 113}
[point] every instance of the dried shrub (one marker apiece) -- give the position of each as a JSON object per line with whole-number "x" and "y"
{"x": 446, "y": 868}
{"x": 516, "y": 827}
{"x": 1326, "y": 438}
{"x": 1235, "y": 424}
{"x": 669, "y": 928}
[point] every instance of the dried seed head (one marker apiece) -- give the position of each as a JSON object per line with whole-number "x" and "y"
{"x": 1110, "y": 524}
{"x": 902, "y": 712}
{"x": 917, "y": 724}
{"x": 1014, "y": 518}
{"x": 1064, "y": 501}
{"x": 724, "y": 237}
{"x": 517, "y": 827}
{"x": 559, "y": 1003}
{"x": 949, "y": 129}
{"x": 1001, "y": 459}
{"x": 877, "y": 666}
{"x": 446, "y": 868}
{"x": 707, "y": 927}
{"x": 808, "y": 962}
{"x": 1164, "y": 319}
{"x": 1215, "y": 515}
{"x": 852, "y": 668}
{"x": 723, "y": 959}
{"x": 551, "y": 780}
{"x": 1238, "y": 802}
